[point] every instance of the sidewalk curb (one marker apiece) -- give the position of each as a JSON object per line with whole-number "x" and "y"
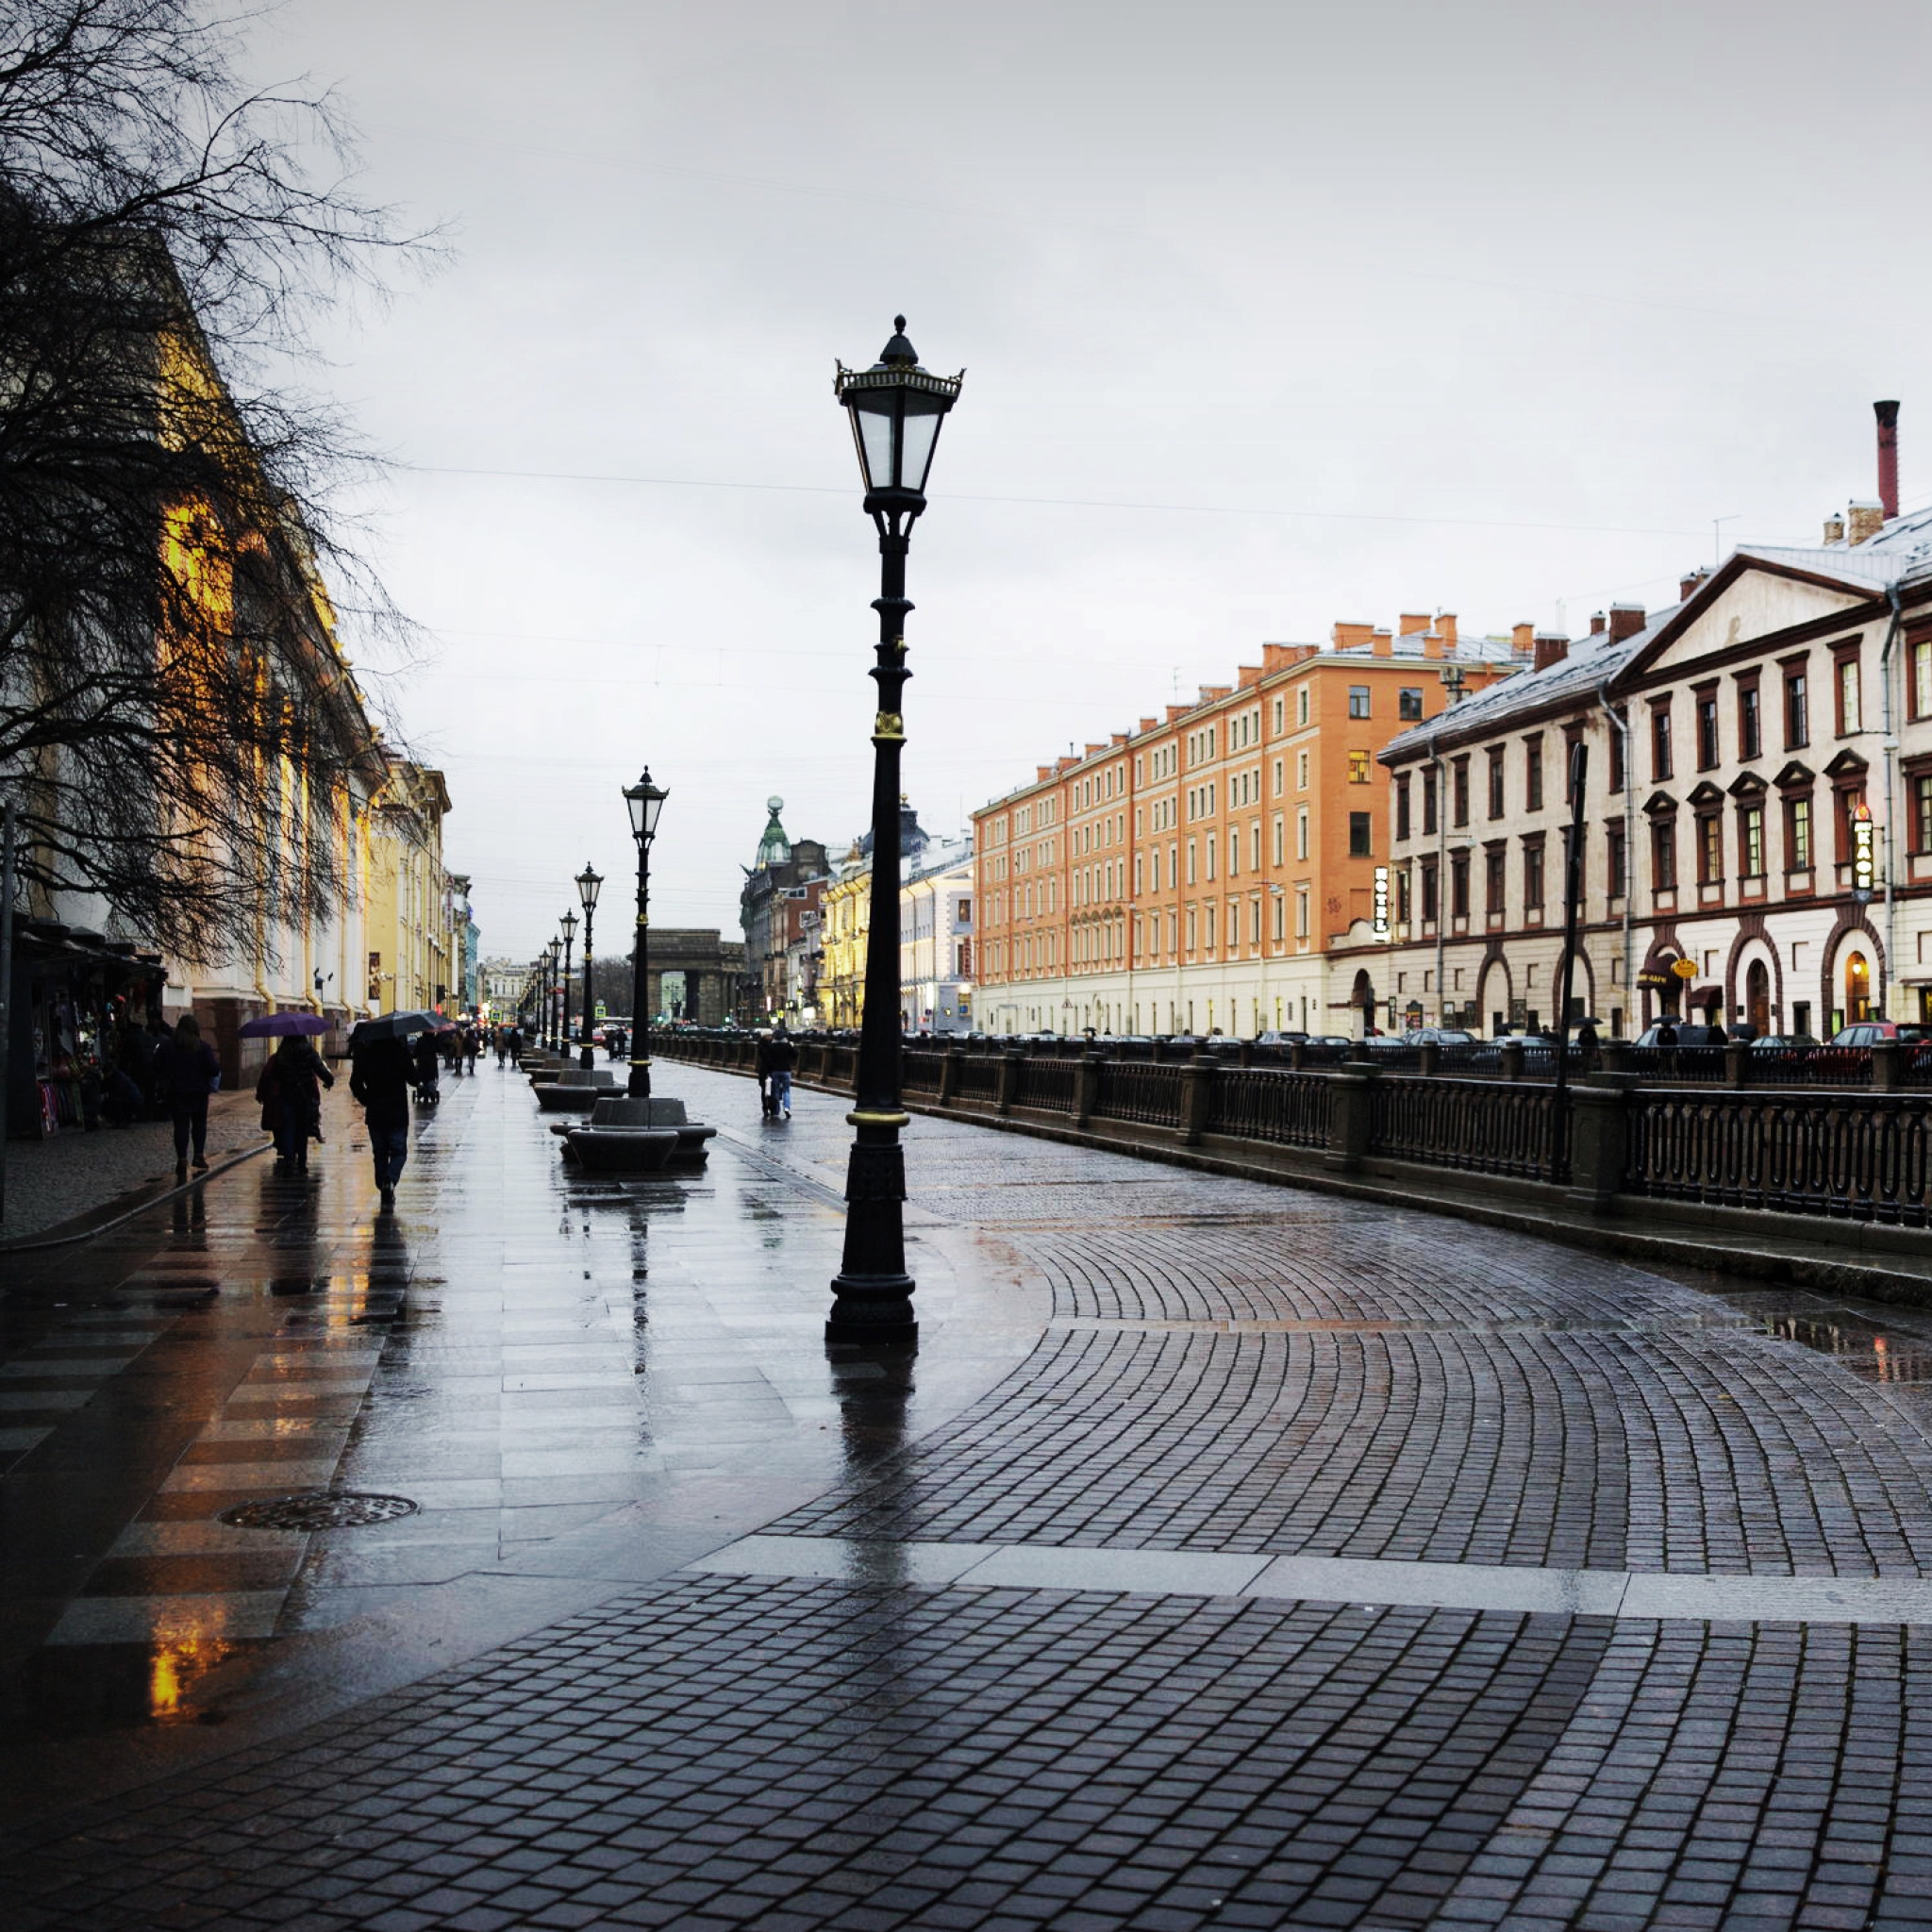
{"x": 114, "y": 1214}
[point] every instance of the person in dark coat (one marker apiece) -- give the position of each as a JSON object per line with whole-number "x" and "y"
{"x": 428, "y": 1069}
{"x": 781, "y": 1058}
{"x": 188, "y": 1072}
{"x": 289, "y": 1091}
{"x": 381, "y": 1074}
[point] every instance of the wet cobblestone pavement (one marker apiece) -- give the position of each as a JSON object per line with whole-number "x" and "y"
{"x": 1227, "y": 1555}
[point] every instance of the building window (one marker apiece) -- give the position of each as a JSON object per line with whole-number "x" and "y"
{"x": 1233, "y": 852}
{"x": 1301, "y": 771}
{"x": 1460, "y": 771}
{"x": 1616, "y": 758}
{"x": 1848, "y": 717}
{"x": 1301, "y": 833}
{"x": 1496, "y": 804}
{"x": 1281, "y": 917}
{"x": 1361, "y": 841}
{"x": 1706, "y": 730}
{"x": 1921, "y": 812}
{"x": 1301, "y": 706}
{"x": 1278, "y": 777}
{"x": 1428, "y": 892}
{"x": 1922, "y": 679}
{"x": 1614, "y": 858}
{"x": 1797, "y": 835}
{"x": 1797, "y": 712}
{"x": 1301, "y": 912}
{"x": 1750, "y": 725}
{"x": 1357, "y": 700}
{"x": 1279, "y": 841}
{"x": 1533, "y": 874}
{"x": 1660, "y": 743}
{"x": 1533, "y": 774}
{"x": 1849, "y": 799}
{"x": 1663, "y": 856}
{"x": 1751, "y": 841}
{"x": 1280, "y": 716}
{"x": 1402, "y": 808}
{"x": 1459, "y": 885}
{"x": 1408, "y": 700}
{"x": 1494, "y": 885}
{"x": 1710, "y": 849}
{"x": 1357, "y": 768}
{"x": 1428, "y": 802}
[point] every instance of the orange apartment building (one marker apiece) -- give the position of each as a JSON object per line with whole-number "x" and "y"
{"x": 1193, "y": 874}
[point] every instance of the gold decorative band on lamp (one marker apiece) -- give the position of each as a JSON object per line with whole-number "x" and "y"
{"x": 887, "y": 724}
{"x": 878, "y": 1120}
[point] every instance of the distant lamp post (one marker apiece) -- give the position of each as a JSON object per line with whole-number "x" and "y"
{"x": 553, "y": 951}
{"x": 589, "y": 884}
{"x": 568, "y": 925}
{"x": 897, "y": 408}
{"x": 645, "y": 801}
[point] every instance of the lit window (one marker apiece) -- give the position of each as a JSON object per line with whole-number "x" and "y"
{"x": 1357, "y": 768}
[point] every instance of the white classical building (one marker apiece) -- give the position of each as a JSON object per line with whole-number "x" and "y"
{"x": 1758, "y": 807}
{"x": 935, "y": 940}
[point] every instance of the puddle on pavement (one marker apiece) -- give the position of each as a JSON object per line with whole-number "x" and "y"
{"x": 1859, "y": 1346}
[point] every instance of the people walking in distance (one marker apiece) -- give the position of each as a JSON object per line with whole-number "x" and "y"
{"x": 187, "y": 1072}
{"x": 289, "y": 1091}
{"x": 516, "y": 1046}
{"x": 428, "y": 1070}
{"x": 500, "y": 1040}
{"x": 381, "y": 1074}
{"x": 471, "y": 1047}
{"x": 781, "y": 1057}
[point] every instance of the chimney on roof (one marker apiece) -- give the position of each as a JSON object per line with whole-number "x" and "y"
{"x": 1383, "y": 645}
{"x": 1686, "y": 585}
{"x": 1596, "y": 624}
{"x": 1834, "y": 529}
{"x": 1863, "y": 519}
{"x": 1626, "y": 620}
{"x": 1520, "y": 637}
{"x": 1445, "y": 627}
{"x": 1414, "y": 621}
{"x": 1547, "y": 649}
{"x": 1888, "y": 458}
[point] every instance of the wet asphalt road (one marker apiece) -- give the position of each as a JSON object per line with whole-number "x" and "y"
{"x": 1227, "y": 1556}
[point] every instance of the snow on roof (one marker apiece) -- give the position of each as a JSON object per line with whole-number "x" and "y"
{"x": 1591, "y": 659}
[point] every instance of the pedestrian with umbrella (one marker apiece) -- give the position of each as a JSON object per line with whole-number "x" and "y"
{"x": 289, "y": 1091}
{"x": 381, "y": 1074}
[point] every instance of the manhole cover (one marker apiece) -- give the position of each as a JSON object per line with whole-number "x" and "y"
{"x": 318, "y": 1510}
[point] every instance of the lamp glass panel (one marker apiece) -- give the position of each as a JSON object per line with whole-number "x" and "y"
{"x": 569, "y": 923}
{"x": 653, "y": 805}
{"x": 872, "y": 416}
{"x": 923, "y": 420}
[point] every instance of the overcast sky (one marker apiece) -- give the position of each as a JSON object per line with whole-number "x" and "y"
{"x": 1272, "y": 314}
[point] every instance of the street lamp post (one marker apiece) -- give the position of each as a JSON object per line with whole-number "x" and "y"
{"x": 553, "y": 951}
{"x": 569, "y": 923}
{"x": 897, "y": 408}
{"x": 645, "y": 801}
{"x": 589, "y": 884}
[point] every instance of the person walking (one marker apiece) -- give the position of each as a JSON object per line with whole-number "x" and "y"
{"x": 472, "y": 1044}
{"x": 781, "y": 1058}
{"x": 187, "y": 1072}
{"x": 428, "y": 1070}
{"x": 289, "y": 1091}
{"x": 381, "y": 1074}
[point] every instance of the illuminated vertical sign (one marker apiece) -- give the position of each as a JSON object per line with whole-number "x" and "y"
{"x": 1381, "y": 902}
{"x": 1864, "y": 867}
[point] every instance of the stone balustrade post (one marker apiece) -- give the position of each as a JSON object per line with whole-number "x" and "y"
{"x": 1599, "y": 1140}
{"x": 1297, "y": 1056}
{"x": 1616, "y": 1056}
{"x": 1512, "y": 1059}
{"x": 1011, "y": 1065}
{"x": 1889, "y": 1059}
{"x": 1351, "y": 1115}
{"x": 1737, "y": 1063}
{"x": 949, "y": 1076}
{"x": 1430, "y": 1055}
{"x": 1086, "y": 1088}
{"x": 1195, "y": 1077}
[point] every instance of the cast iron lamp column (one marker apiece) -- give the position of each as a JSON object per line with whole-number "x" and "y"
{"x": 897, "y": 408}
{"x": 645, "y": 801}
{"x": 569, "y": 923}
{"x": 554, "y": 952}
{"x": 588, "y": 883}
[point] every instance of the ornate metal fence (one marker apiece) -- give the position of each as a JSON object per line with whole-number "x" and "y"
{"x": 1862, "y": 1157}
{"x": 1140, "y": 1090}
{"x": 919, "y": 1072}
{"x": 1047, "y": 1085}
{"x": 1482, "y": 1127}
{"x": 1265, "y": 1103}
{"x": 980, "y": 1077}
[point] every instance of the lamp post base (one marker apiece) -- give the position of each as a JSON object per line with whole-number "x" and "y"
{"x": 873, "y": 1310}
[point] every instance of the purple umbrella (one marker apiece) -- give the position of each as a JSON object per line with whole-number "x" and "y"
{"x": 272, "y": 1026}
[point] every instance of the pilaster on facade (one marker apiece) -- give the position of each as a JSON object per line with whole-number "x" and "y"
{"x": 1196, "y": 874}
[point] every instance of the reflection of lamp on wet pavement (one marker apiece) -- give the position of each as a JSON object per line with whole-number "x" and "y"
{"x": 645, "y": 801}
{"x": 897, "y": 408}
{"x": 589, "y": 884}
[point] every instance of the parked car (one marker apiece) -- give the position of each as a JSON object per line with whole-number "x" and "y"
{"x": 1438, "y": 1036}
{"x": 1687, "y": 1036}
{"x": 1870, "y": 1032}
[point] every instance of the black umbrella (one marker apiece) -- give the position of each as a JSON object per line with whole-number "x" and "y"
{"x": 396, "y": 1027}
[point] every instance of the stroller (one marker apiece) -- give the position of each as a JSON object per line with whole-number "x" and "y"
{"x": 427, "y": 1057}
